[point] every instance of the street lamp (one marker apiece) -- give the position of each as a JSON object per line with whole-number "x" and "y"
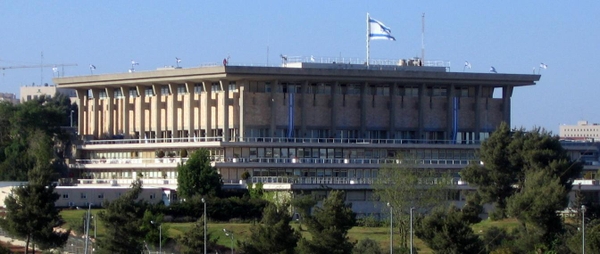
{"x": 391, "y": 228}
{"x": 87, "y": 228}
{"x": 159, "y": 235}
{"x": 411, "y": 229}
{"x": 204, "y": 202}
{"x": 230, "y": 234}
{"x": 71, "y": 118}
{"x": 583, "y": 228}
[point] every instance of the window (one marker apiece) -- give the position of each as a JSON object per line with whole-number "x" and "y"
{"x": 83, "y": 195}
{"x": 411, "y": 91}
{"x": 149, "y": 91}
{"x": 102, "y": 94}
{"x": 152, "y": 196}
{"x": 181, "y": 89}
{"x": 118, "y": 93}
{"x": 101, "y": 195}
{"x": 164, "y": 90}
{"x": 65, "y": 196}
{"x": 216, "y": 87}
{"x": 133, "y": 92}
{"x": 232, "y": 86}
{"x": 198, "y": 88}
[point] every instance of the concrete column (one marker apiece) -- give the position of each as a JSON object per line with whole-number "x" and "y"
{"x": 155, "y": 112}
{"x": 94, "y": 113}
{"x": 140, "y": 110}
{"x": 363, "y": 109}
{"x": 125, "y": 92}
{"x": 392, "y": 110}
{"x": 173, "y": 107}
{"x": 242, "y": 109}
{"x": 273, "y": 108}
{"x": 225, "y": 109}
{"x": 109, "y": 124}
{"x": 188, "y": 109}
{"x": 82, "y": 124}
{"x": 303, "y": 110}
{"x": 506, "y": 94}
{"x": 422, "y": 104}
{"x": 477, "y": 112}
{"x": 334, "y": 112}
{"x": 207, "y": 108}
{"x": 450, "y": 94}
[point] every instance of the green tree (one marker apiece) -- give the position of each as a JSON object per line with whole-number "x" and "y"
{"x": 192, "y": 241}
{"x": 407, "y": 184}
{"x": 198, "y": 177}
{"x": 472, "y": 209}
{"x": 302, "y": 205}
{"x": 122, "y": 219}
{"x": 31, "y": 213}
{"x": 536, "y": 204}
{"x": 367, "y": 246}
{"x": 329, "y": 227}
{"x": 507, "y": 156}
{"x": 153, "y": 225}
{"x": 445, "y": 231}
{"x": 274, "y": 234}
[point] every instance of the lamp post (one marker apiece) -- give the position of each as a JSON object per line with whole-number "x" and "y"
{"x": 87, "y": 228}
{"x": 230, "y": 234}
{"x": 411, "y": 229}
{"x": 159, "y": 236}
{"x": 71, "y": 118}
{"x": 391, "y": 228}
{"x": 204, "y": 202}
{"x": 583, "y": 229}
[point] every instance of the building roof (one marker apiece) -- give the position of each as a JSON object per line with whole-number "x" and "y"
{"x": 325, "y": 72}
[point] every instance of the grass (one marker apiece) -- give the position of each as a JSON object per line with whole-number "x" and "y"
{"x": 241, "y": 231}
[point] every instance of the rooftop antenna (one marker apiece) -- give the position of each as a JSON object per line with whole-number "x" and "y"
{"x": 41, "y": 68}
{"x": 132, "y": 64}
{"x": 177, "y": 60}
{"x": 92, "y": 68}
{"x": 284, "y": 59}
{"x": 423, "y": 37}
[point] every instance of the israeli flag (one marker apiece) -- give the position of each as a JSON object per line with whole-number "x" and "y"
{"x": 378, "y": 31}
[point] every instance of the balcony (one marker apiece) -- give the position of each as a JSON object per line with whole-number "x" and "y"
{"x": 357, "y": 141}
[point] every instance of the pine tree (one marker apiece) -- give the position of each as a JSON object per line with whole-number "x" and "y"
{"x": 274, "y": 234}
{"x": 193, "y": 240}
{"x": 122, "y": 219}
{"x": 31, "y": 213}
{"x": 329, "y": 227}
{"x": 198, "y": 177}
{"x": 446, "y": 231}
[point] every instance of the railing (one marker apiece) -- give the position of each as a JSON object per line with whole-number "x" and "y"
{"x": 219, "y": 159}
{"x": 348, "y": 161}
{"x": 358, "y": 141}
{"x": 326, "y": 180}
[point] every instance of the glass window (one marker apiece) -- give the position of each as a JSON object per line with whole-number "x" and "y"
{"x": 181, "y": 89}
{"x": 149, "y": 91}
{"x": 164, "y": 90}
{"x": 133, "y": 92}
{"x": 118, "y": 93}
{"x": 198, "y": 88}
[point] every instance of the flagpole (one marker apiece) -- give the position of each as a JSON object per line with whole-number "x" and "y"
{"x": 368, "y": 46}
{"x": 423, "y": 38}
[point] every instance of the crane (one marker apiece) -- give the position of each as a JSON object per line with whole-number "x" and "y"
{"x": 54, "y": 67}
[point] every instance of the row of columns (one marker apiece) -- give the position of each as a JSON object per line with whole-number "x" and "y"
{"x": 94, "y": 107}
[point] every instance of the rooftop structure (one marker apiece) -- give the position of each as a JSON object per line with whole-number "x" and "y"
{"x": 301, "y": 126}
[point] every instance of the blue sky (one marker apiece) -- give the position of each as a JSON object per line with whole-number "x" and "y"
{"x": 513, "y": 36}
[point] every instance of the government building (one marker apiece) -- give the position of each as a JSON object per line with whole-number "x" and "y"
{"x": 300, "y": 127}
